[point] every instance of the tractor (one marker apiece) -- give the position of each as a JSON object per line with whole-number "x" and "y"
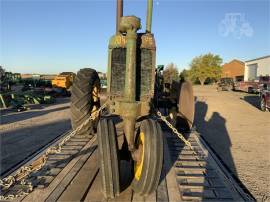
{"x": 134, "y": 92}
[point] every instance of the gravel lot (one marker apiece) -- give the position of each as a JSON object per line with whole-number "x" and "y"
{"x": 24, "y": 132}
{"x": 239, "y": 133}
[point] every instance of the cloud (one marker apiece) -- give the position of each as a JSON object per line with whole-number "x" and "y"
{"x": 236, "y": 25}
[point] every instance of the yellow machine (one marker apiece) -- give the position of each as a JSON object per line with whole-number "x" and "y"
{"x": 63, "y": 80}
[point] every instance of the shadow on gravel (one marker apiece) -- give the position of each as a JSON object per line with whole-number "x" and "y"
{"x": 20, "y": 116}
{"x": 17, "y": 145}
{"x": 253, "y": 100}
{"x": 215, "y": 133}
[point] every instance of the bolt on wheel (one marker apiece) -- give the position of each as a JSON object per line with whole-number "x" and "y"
{"x": 149, "y": 157}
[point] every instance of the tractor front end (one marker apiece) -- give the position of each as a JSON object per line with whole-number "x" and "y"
{"x": 131, "y": 74}
{"x": 132, "y": 93}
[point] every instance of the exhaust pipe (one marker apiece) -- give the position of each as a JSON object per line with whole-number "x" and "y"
{"x": 149, "y": 16}
{"x": 119, "y": 14}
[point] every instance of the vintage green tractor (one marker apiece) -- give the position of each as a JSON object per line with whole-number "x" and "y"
{"x": 133, "y": 93}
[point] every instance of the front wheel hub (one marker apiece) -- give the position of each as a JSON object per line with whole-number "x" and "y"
{"x": 138, "y": 156}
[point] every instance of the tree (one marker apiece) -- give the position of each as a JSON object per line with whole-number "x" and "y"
{"x": 205, "y": 66}
{"x": 170, "y": 73}
{"x": 184, "y": 75}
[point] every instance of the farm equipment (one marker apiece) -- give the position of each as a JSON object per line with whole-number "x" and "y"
{"x": 134, "y": 90}
{"x": 18, "y": 100}
{"x": 7, "y": 80}
{"x": 63, "y": 80}
{"x": 62, "y": 83}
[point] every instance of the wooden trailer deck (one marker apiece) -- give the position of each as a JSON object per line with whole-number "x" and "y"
{"x": 73, "y": 175}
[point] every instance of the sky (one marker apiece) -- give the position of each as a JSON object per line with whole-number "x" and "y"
{"x": 51, "y": 36}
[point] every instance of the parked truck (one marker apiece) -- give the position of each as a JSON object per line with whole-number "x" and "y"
{"x": 254, "y": 86}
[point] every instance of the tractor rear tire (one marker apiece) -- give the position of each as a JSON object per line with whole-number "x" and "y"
{"x": 108, "y": 157}
{"x": 82, "y": 102}
{"x": 147, "y": 172}
{"x": 186, "y": 107}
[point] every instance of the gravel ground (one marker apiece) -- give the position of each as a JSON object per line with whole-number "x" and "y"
{"x": 24, "y": 132}
{"x": 239, "y": 133}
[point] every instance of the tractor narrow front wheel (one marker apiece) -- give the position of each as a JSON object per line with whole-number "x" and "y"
{"x": 148, "y": 165}
{"x": 108, "y": 157}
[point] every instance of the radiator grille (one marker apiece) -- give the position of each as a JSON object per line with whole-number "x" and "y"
{"x": 143, "y": 71}
{"x": 145, "y": 68}
{"x": 118, "y": 68}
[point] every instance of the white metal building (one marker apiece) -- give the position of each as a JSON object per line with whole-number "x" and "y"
{"x": 257, "y": 67}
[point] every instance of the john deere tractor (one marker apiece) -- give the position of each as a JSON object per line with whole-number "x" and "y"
{"x": 133, "y": 94}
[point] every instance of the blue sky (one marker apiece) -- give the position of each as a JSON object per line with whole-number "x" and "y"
{"x": 46, "y": 36}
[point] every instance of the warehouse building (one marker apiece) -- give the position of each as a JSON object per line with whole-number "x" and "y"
{"x": 234, "y": 69}
{"x": 256, "y": 68}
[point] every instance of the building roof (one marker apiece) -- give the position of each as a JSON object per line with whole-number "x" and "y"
{"x": 234, "y": 60}
{"x": 267, "y": 56}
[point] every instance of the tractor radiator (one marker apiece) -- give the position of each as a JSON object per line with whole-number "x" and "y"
{"x": 144, "y": 77}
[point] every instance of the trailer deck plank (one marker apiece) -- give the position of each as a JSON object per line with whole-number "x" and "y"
{"x": 69, "y": 177}
{"x": 95, "y": 194}
{"x": 82, "y": 182}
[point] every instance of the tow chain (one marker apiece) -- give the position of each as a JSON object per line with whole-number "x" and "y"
{"x": 39, "y": 163}
{"x": 175, "y": 131}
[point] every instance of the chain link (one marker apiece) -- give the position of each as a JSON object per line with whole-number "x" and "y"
{"x": 175, "y": 131}
{"x": 25, "y": 171}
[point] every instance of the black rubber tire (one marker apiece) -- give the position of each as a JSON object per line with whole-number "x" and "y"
{"x": 81, "y": 100}
{"x": 153, "y": 158}
{"x": 108, "y": 158}
{"x": 250, "y": 90}
{"x": 186, "y": 107}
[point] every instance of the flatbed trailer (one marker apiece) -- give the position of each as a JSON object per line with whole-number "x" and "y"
{"x": 73, "y": 174}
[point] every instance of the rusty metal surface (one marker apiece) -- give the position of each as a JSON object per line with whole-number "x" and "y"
{"x": 144, "y": 41}
{"x": 119, "y": 13}
{"x": 118, "y": 68}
